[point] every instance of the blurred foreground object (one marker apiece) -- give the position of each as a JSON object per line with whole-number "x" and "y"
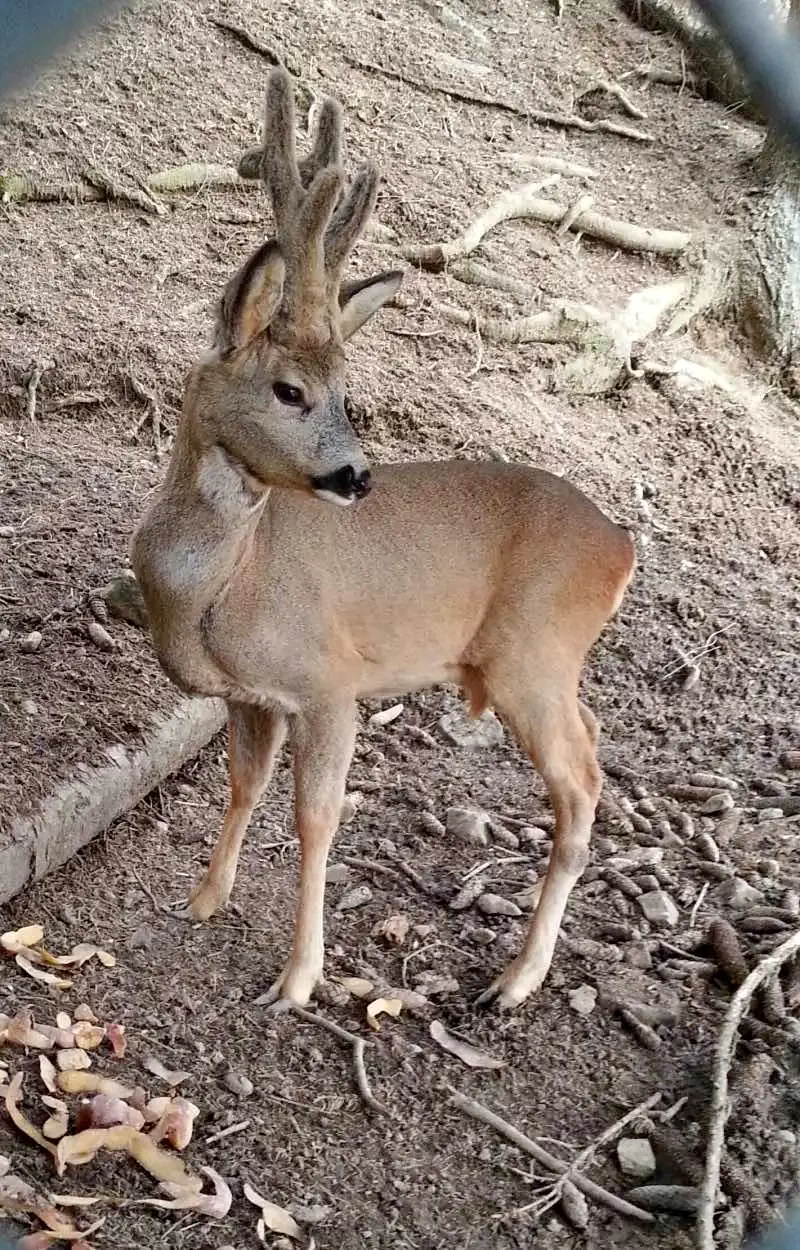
{"x": 31, "y": 31}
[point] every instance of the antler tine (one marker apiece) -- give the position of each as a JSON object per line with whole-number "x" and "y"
{"x": 349, "y": 221}
{"x": 305, "y": 291}
{"x": 327, "y": 147}
{"x": 278, "y": 156}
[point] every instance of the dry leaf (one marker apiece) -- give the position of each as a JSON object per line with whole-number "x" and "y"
{"x": 119, "y": 1042}
{"x": 92, "y": 1083}
{"x": 176, "y": 1124}
{"x": 17, "y": 940}
{"x": 357, "y": 986}
{"x": 20, "y": 1032}
{"x": 470, "y": 1055}
{"x": 82, "y": 1147}
{"x": 48, "y": 1074}
{"x": 383, "y": 1007}
{"x": 12, "y": 1097}
{"x": 63, "y": 1038}
{"x": 85, "y": 1013}
{"x": 275, "y": 1218}
{"x": 102, "y": 1111}
{"x": 56, "y": 1125}
{"x": 156, "y": 1068}
{"x": 393, "y": 928}
{"x": 73, "y": 1060}
{"x": 39, "y": 974}
{"x": 81, "y": 954}
{"x": 216, "y": 1205}
{"x": 63, "y": 1020}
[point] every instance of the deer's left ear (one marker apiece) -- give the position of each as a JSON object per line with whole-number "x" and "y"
{"x": 251, "y": 298}
{"x": 359, "y": 300}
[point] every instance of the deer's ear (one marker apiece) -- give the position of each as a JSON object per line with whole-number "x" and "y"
{"x": 358, "y": 301}
{"x": 251, "y": 298}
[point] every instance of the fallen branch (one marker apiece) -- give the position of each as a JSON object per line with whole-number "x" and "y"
{"x": 152, "y": 415}
{"x": 111, "y": 190}
{"x": 552, "y": 1195}
{"x": 719, "y": 1096}
{"x": 568, "y": 322}
{"x": 477, "y": 1111}
{"x": 541, "y": 117}
{"x": 32, "y": 385}
{"x": 242, "y": 36}
{"x": 359, "y": 1046}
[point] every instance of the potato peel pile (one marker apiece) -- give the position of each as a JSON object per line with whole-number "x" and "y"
{"x": 105, "y": 1115}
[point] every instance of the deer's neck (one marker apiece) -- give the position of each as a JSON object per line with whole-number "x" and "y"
{"x": 186, "y": 553}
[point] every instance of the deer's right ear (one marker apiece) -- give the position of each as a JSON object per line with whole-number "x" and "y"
{"x": 251, "y": 298}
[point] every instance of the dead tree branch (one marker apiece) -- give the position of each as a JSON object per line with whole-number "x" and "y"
{"x": 719, "y": 1082}
{"x": 359, "y": 1046}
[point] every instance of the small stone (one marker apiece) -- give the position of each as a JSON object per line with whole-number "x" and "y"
{"x": 386, "y": 715}
{"x": 100, "y": 636}
{"x": 314, "y": 1214}
{"x": 350, "y": 806}
{"x": 30, "y": 707}
{"x": 770, "y": 813}
{"x": 646, "y": 881}
{"x": 357, "y": 897}
{"x": 658, "y": 908}
{"x": 463, "y": 731}
{"x": 605, "y": 846}
{"x": 432, "y": 983}
{"x": 738, "y": 894}
{"x": 470, "y": 891}
{"x": 31, "y": 642}
{"x": 528, "y": 898}
{"x": 728, "y": 826}
{"x": 636, "y": 857}
{"x": 496, "y": 905}
{"x": 412, "y": 1000}
{"x": 721, "y": 801}
{"x": 468, "y": 824}
{"x": 532, "y": 835}
{"x": 337, "y": 874}
{"x": 332, "y": 995}
{"x": 639, "y": 955}
{"x": 636, "y": 1158}
{"x": 583, "y": 1000}
{"x": 238, "y": 1084}
{"x": 769, "y": 868}
{"x": 790, "y": 760}
{"x": 482, "y": 936}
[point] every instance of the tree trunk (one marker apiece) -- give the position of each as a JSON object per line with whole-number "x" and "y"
{"x": 768, "y": 296}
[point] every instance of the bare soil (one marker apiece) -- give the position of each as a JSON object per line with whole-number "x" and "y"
{"x": 105, "y": 293}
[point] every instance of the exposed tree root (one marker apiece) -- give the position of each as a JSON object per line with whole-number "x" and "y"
{"x": 617, "y": 93}
{"x": 474, "y": 274}
{"x": 553, "y": 165}
{"x": 542, "y": 117}
{"x": 524, "y": 203}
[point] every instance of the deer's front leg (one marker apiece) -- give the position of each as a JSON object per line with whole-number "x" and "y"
{"x": 323, "y": 748}
{"x": 255, "y": 736}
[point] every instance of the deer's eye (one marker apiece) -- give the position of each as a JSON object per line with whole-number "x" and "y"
{"x": 287, "y": 394}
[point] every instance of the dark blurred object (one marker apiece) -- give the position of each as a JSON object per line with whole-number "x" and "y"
{"x": 782, "y": 1237}
{"x": 31, "y": 31}
{"x": 769, "y": 56}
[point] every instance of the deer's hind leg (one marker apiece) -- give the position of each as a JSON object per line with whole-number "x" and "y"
{"x": 255, "y": 736}
{"x": 560, "y": 735}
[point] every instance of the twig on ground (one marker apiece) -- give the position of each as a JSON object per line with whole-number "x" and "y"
{"x": 242, "y": 36}
{"x": 152, "y": 415}
{"x": 227, "y": 1132}
{"x": 370, "y": 865}
{"x": 614, "y": 89}
{"x": 572, "y": 214}
{"x": 357, "y": 1043}
{"x": 477, "y": 1111}
{"x": 37, "y": 368}
{"x": 539, "y": 116}
{"x": 566, "y": 323}
{"x": 552, "y": 1195}
{"x": 719, "y": 1083}
{"x": 698, "y": 904}
{"x": 143, "y": 885}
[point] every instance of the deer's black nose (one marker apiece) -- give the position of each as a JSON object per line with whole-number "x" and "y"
{"x": 345, "y": 483}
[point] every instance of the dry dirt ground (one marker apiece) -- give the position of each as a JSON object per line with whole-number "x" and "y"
{"x": 110, "y": 299}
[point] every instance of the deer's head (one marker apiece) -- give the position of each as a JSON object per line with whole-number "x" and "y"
{"x": 270, "y": 395}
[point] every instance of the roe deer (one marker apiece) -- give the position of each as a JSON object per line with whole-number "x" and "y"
{"x": 496, "y": 576}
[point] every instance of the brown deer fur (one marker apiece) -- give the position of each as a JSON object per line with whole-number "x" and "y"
{"x": 496, "y": 576}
